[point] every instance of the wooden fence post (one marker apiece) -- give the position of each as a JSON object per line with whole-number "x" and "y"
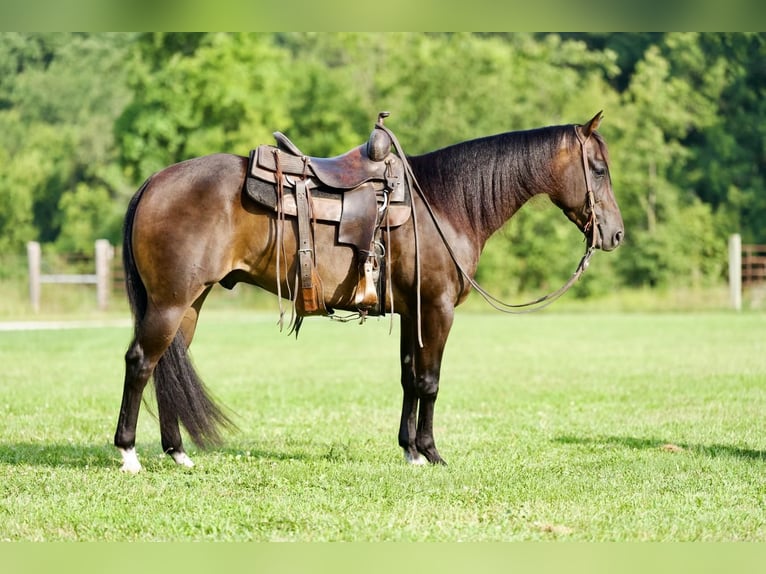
{"x": 104, "y": 254}
{"x": 33, "y": 260}
{"x": 735, "y": 271}
{"x": 102, "y": 278}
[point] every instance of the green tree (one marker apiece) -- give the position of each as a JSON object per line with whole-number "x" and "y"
{"x": 660, "y": 109}
{"x": 56, "y": 118}
{"x": 727, "y": 165}
{"x": 228, "y": 94}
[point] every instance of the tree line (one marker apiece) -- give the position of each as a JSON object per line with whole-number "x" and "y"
{"x": 86, "y": 117}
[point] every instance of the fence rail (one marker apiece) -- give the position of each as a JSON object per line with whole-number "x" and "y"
{"x": 102, "y": 278}
{"x": 753, "y": 265}
{"x": 747, "y": 269}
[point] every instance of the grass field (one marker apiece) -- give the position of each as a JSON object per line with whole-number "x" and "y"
{"x": 556, "y": 426}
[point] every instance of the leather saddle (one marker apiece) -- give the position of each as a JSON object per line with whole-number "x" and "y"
{"x": 362, "y": 191}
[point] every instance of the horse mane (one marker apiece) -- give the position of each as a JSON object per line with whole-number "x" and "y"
{"x": 480, "y": 183}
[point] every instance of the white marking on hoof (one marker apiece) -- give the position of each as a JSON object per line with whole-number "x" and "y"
{"x": 418, "y": 460}
{"x": 129, "y": 460}
{"x": 182, "y": 459}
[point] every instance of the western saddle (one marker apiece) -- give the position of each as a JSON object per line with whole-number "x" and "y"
{"x": 362, "y": 191}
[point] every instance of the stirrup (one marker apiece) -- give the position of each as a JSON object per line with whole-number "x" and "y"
{"x": 366, "y": 293}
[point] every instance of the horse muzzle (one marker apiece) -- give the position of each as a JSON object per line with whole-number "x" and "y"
{"x": 608, "y": 238}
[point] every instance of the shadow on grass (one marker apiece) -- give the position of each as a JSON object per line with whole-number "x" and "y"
{"x": 263, "y": 454}
{"x": 58, "y": 454}
{"x": 104, "y": 456}
{"x": 714, "y": 450}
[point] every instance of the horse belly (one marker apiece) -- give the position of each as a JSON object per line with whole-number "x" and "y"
{"x": 269, "y": 252}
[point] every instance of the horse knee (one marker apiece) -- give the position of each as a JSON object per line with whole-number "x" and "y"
{"x": 427, "y": 386}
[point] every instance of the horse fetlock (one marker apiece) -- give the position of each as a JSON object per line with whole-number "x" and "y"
{"x": 181, "y": 458}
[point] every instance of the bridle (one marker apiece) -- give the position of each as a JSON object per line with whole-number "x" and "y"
{"x": 515, "y": 309}
{"x": 590, "y": 198}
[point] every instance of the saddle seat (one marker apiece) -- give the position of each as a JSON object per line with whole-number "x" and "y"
{"x": 340, "y": 173}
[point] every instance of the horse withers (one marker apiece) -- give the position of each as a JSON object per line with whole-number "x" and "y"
{"x": 191, "y": 226}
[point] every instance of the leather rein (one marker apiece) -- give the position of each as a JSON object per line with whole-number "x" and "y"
{"x": 514, "y": 309}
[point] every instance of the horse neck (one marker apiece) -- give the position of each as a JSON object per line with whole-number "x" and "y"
{"x": 480, "y": 184}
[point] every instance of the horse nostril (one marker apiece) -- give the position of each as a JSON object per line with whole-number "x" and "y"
{"x": 618, "y": 237}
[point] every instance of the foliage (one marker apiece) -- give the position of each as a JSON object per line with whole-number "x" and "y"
{"x": 57, "y": 114}
{"x": 728, "y": 158}
{"x": 218, "y": 97}
{"x": 85, "y": 118}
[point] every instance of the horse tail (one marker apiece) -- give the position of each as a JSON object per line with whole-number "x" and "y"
{"x": 181, "y": 395}
{"x": 133, "y": 285}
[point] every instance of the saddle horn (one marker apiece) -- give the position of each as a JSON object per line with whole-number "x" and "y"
{"x": 379, "y": 144}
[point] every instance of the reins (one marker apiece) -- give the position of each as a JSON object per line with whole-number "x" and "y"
{"x": 498, "y": 304}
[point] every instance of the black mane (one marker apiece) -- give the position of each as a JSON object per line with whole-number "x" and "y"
{"x": 480, "y": 183}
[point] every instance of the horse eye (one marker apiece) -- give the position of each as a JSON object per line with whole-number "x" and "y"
{"x": 599, "y": 171}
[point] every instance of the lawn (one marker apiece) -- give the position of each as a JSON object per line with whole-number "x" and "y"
{"x": 556, "y": 426}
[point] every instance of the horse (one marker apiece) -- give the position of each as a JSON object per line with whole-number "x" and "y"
{"x": 190, "y": 227}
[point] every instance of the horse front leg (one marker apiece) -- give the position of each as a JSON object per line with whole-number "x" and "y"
{"x": 409, "y": 420}
{"x": 424, "y": 373}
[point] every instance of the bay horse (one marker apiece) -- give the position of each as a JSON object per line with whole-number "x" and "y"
{"x": 190, "y": 227}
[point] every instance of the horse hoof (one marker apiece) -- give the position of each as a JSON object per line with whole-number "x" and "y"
{"x": 130, "y": 462}
{"x": 415, "y": 460}
{"x": 434, "y": 458}
{"x": 182, "y": 459}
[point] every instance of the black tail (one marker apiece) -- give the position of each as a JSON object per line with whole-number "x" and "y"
{"x": 133, "y": 284}
{"x": 180, "y": 392}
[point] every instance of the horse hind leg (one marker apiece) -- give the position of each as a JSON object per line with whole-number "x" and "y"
{"x": 170, "y": 432}
{"x": 137, "y": 374}
{"x": 182, "y": 397}
{"x": 154, "y": 334}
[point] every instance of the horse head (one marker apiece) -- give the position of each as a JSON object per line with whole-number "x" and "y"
{"x": 585, "y": 192}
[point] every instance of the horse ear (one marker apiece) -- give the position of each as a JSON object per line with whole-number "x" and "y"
{"x": 593, "y": 124}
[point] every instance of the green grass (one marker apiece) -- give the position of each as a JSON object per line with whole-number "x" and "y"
{"x": 556, "y": 426}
